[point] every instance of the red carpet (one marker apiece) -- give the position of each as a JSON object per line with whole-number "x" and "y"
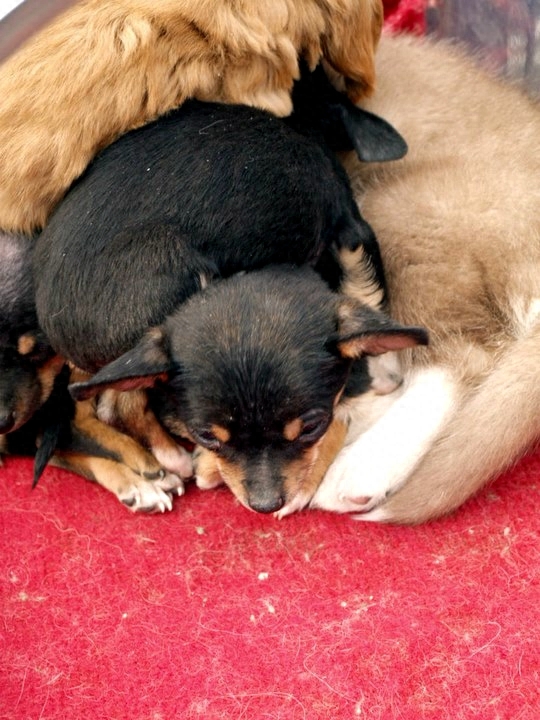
{"x": 215, "y": 612}
{"x": 211, "y": 612}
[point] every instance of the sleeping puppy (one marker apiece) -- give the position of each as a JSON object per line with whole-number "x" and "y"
{"x": 37, "y": 414}
{"x": 105, "y": 67}
{"x": 458, "y": 223}
{"x": 207, "y": 191}
{"x": 253, "y": 370}
{"x": 28, "y": 365}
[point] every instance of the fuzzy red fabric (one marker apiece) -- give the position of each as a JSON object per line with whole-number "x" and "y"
{"x": 214, "y": 612}
{"x": 405, "y": 15}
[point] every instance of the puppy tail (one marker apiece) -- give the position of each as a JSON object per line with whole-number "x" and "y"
{"x": 494, "y": 427}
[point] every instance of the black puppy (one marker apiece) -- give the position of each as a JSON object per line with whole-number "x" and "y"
{"x": 207, "y": 191}
{"x": 38, "y": 416}
{"x": 203, "y": 193}
{"x": 30, "y": 370}
{"x": 253, "y": 369}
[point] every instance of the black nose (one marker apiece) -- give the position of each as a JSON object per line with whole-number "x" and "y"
{"x": 267, "y": 504}
{"x": 7, "y": 421}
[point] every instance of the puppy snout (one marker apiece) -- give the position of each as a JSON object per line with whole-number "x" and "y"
{"x": 266, "y": 503}
{"x": 7, "y": 421}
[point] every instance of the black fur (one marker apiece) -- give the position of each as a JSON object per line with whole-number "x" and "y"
{"x": 20, "y": 387}
{"x": 207, "y": 191}
{"x": 250, "y": 354}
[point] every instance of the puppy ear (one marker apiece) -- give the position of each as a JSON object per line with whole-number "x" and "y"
{"x": 138, "y": 368}
{"x": 350, "y": 42}
{"x": 373, "y": 138}
{"x": 365, "y": 331}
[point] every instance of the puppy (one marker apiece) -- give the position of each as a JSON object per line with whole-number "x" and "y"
{"x": 37, "y": 414}
{"x": 28, "y": 364}
{"x": 105, "y": 67}
{"x": 458, "y": 223}
{"x": 209, "y": 190}
{"x": 252, "y": 369}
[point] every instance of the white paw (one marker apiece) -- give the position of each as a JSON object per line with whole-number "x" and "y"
{"x": 208, "y": 483}
{"x": 381, "y": 459}
{"x": 175, "y": 459}
{"x": 348, "y": 486}
{"x": 148, "y": 495}
{"x": 378, "y": 514}
{"x": 299, "y": 502}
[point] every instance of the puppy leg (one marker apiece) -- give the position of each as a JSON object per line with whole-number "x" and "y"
{"x": 118, "y": 463}
{"x": 381, "y": 459}
{"x": 130, "y": 412}
{"x": 207, "y": 475}
{"x": 140, "y": 494}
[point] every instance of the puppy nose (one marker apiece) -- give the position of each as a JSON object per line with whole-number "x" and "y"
{"x": 7, "y": 421}
{"x": 267, "y": 504}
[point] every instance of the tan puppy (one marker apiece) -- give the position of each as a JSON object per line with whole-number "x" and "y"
{"x": 458, "y": 222}
{"x": 106, "y": 66}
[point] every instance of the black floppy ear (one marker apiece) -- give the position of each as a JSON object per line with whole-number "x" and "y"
{"x": 365, "y": 331}
{"x": 372, "y": 137}
{"x": 138, "y": 368}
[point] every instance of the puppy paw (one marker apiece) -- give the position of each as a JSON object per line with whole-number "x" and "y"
{"x": 207, "y": 475}
{"x": 152, "y": 493}
{"x": 299, "y": 502}
{"x": 208, "y": 482}
{"x": 352, "y": 484}
{"x": 176, "y": 459}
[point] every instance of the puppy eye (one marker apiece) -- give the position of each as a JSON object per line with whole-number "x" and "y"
{"x": 315, "y": 423}
{"x": 207, "y": 439}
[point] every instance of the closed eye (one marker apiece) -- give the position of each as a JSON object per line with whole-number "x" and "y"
{"x": 207, "y": 439}
{"x": 314, "y": 425}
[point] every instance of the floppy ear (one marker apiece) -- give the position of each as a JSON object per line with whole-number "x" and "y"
{"x": 138, "y": 368}
{"x": 350, "y": 42}
{"x": 365, "y": 331}
{"x": 373, "y": 138}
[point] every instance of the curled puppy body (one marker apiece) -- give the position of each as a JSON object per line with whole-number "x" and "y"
{"x": 458, "y": 222}
{"x": 29, "y": 366}
{"x": 105, "y": 67}
{"x": 37, "y": 414}
{"x": 209, "y": 190}
{"x": 253, "y": 368}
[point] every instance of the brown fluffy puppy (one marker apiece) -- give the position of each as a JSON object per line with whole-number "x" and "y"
{"x": 107, "y": 66}
{"x": 458, "y": 222}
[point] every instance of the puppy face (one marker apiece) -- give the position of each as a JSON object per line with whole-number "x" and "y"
{"x": 252, "y": 368}
{"x": 28, "y": 366}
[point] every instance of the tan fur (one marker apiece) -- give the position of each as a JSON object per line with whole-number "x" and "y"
{"x": 131, "y": 472}
{"x": 106, "y": 66}
{"x": 459, "y": 226}
{"x": 129, "y": 412}
{"x": 47, "y": 375}
{"x": 302, "y": 476}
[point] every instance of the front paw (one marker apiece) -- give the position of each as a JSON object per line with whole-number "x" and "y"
{"x": 207, "y": 475}
{"x": 349, "y": 486}
{"x": 176, "y": 459}
{"x": 152, "y": 492}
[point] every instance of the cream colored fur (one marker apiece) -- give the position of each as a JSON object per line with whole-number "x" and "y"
{"x": 107, "y": 66}
{"x": 458, "y": 221}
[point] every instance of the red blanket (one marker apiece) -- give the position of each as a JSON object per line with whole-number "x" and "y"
{"x": 213, "y": 612}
